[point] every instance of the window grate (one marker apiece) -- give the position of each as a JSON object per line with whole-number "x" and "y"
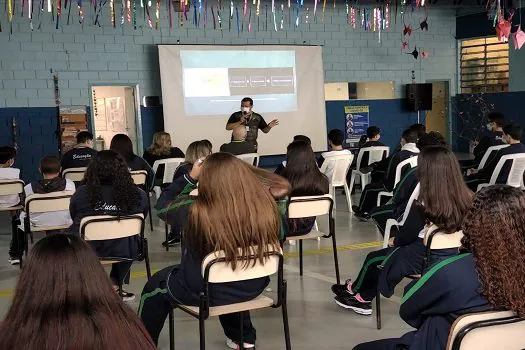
{"x": 484, "y": 65}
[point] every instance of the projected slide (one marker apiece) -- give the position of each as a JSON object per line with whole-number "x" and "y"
{"x": 214, "y": 82}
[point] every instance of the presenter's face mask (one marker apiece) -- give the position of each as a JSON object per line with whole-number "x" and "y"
{"x": 246, "y": 110}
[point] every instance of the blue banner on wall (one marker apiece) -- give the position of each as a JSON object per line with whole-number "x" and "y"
{"x": 357, "y": 119}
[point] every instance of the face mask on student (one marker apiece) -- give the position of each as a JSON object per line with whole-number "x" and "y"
{"x": 246, "y": 110}
{"x": 489, "y": 126}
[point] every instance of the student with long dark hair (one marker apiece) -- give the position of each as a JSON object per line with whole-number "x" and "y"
{"x": 122, "y": 144}
{"x": 306, "y": 180}
{"x": 226, "y": 215}
{"x": 109, "y": 190}
{"x": 63, "y": 300}
{"x": 484, "y": 275}
{"x": 443, "y": 201}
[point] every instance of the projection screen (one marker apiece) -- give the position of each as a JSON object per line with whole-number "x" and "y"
{"x": 202, "y": 85}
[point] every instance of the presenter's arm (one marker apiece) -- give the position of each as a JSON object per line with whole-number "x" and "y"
{"x": 234, "y": 121}
{"x": 267, "y": 127}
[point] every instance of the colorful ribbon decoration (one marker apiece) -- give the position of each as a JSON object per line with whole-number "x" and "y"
{"x": 250, "y": 20}
{"x": 213, "y": 17}
{"x": 220, "y": 19}
{"x": 157, "y": 15}
{"x": 122, "y": 12}
{"x": 282, "y": 16}
{"x": 324, "y": 8}
{"x": 238, "y": 24}
{"x": 273, "y": 14}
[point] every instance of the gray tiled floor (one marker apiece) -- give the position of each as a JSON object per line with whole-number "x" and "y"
{"x": 316, "y": 322}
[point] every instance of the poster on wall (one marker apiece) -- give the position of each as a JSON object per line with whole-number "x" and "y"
{"x": 356, "y": 121}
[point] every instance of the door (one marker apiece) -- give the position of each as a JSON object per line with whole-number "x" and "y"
{"x": 437, "y": 118}
{"x": 114, "y": 112}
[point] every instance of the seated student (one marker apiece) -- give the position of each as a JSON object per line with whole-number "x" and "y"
{"x": 238, "y": 144}
{"x": 51, "y": 182}
{"x": 492, "y": 137}
{"x": 373, "y": 134}
{"x": 161, "y": 148}
{"x": 335, "y": 141}
{"x": 122, "y": 144}
{"x": 306, "y": 180}
{"x": 303, "y": 138}
{"x": 81, "y": 154}
{"x": 511, "y": 136}
{"x": 64, "y": 300}
{"x": 443, "y": 201}
{"x": 7, "y": 172}
{"x": 483, "y": 276}
{"x": 280, "y": 168}
{"x": 405, "y": 187}
{"x": 226, "y": 215}
{"x": 368, "y": 199}
{"x": 196, "y": 150}
{"x": 109, "y": 190}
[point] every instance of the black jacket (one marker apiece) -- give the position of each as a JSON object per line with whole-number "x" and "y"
{"x": 390, "y": 175}
{"x": 80, "y": 207}
{"x": 364, "y": 160}
{"x": 237, "y": 148}
{"x": 152, "y": 158}
{"x": 492, "y": 138}
{"x": 78, "y": 157}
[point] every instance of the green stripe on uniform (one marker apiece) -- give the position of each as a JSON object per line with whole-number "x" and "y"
{"x": 389, "y": 255}
{"x": 429, "y": 274}
{"x": 400, "y": 183}
{"x": 146, "y": 296}
{"x": 381, "y": 212}
{"x": 377, "y": 259}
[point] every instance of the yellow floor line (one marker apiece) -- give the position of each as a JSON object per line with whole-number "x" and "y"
{"x": 288, "y": 255}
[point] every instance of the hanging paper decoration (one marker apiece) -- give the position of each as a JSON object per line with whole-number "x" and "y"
{"x": 387, "y": 15}
{"x": 324, "y": 8}
{"x": 147, "y": 13}
{"x": 213, "y": 17}
{"x": 112, "y": 12}
{"x": 425, "y": 54}
{"x": 315, "y": 10}
{"x": 231, "y": 16}
{"x": 30, "y": 13}
{"x": 122, "y": 12}
{"x": 282, "y": 16}
{"x": 80, "y": 12}
{"x": 266, "y": 17}
{"x": 404, "y": 45}
{"x": 219, "y": 18}
{"x": 407, "y": 30}
{"x": 134, "y": 14}
{"x": 414, "y": 53}
{"x": 238, "y": 25}
{"x": 250, "y": 20}
{"x": 258, "y": 7}
{"x": 59, "y": 12}
{"x": 307, "y": 16}
{"x": 424, "y": 24}
{"x": 503, "y": 28}
{"x": 518, "y": 38}
{"x": 273, "y": 15}
{"x": 352, "y": 17}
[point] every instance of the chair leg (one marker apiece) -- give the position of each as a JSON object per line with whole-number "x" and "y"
{"x": 150, "y": 216}
{"x": 171, "y": 319}
{"x": 352, "y": 181}
{"x": 166, "y": 229}
{"x": 202, "y": 334}
{"x": 146, "y": 258}
{"x": 336, "y": 260}
{"x": 300, "y": 257}
{"x": 241, "y": 342}
{"x": 348, "y": 198}
{"x": 378, "y": 309}
{"x": 285, "y": 317}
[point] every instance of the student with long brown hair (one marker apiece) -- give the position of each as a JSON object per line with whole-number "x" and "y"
{"x": 227, "y": 215}
{"x": 161, "y": 148}
{"x": 486, "y": 274}
{"x": 64, "y": 300}
{"x": 443, "y": 201}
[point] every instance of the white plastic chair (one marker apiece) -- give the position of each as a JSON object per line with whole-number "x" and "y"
{"x": 139, "y": 178}
{"x": 502, "y": 330}
{"x": 488, "y": 153}
{"x": 341, "y": 166}
{"x": 393, "y": 222}
{"x": 517, "y": 170}
{"x": 375, "y": 154}
{"x": 170, "y": 167}
{"x": 412, "y": 161}
{"x": 74, "y": 174}
{"x": 250, "y": 158}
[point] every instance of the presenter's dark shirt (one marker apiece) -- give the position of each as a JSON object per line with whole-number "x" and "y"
{"x": 254, "y": 123}
{"x": 237, "y": 148}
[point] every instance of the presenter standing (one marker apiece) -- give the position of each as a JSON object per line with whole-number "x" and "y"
{"x": 251, "y": 120}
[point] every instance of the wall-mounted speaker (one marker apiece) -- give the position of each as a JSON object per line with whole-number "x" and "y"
{"x": 419, "y": 97}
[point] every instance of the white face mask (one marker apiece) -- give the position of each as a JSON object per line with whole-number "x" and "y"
{"x": 489, "y": 126}
{"x": 246, "y": 110}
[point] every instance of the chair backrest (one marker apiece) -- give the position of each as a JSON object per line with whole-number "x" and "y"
{"x": 412, "y": 161}
{"x": 308, "y": 206}
{"x": 104, "y": 227}
{"x": 170, "y": 167}
{"x": 48, "y": 202}
{"x": 74, "y": 174}
{"x": 11, "y": 187}
{"x": 139, "y": 177}
{"x": 434, "y": 239}
{"x": 216, "y": 270}
{"x": 250, "y": 158}
{"x": 341, "y": 165}
{"x": 410, "y": 203}
{"x": 502, "y": 330}
{"x": 375, "y": 154}
{"x": 515, "y": 178}
{"x": 487, "y": 154}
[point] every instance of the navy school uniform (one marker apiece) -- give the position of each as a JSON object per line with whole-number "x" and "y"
{"x": 138, "y": 163}
{"x": 80, "y": 208}
{"x": 396, "y": 209}
{"x": 78, "y": 157}
{"x": 431, "y": 304}
{"x": 484, "y": 175}
{"x": 370, "y": 193}
{"x": 151, "y": 158}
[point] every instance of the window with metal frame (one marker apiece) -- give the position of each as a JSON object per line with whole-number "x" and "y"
{"x": 484, "y": 65}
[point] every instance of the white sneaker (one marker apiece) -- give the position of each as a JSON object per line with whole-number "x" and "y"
{"x": 233, "y": 345}
{"x": 14, "y": 261}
